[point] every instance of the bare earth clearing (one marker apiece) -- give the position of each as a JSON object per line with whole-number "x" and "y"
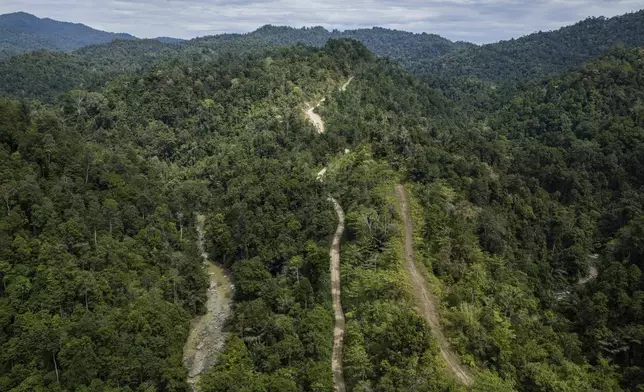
{"x": 207, "y": 337}
{"x": 344, "y": 86}
{"x": 593, "y": 272}
{"x": 314, "y": 117}
{"x": 425, "y": 299}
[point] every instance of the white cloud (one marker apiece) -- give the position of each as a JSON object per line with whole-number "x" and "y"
{"x": 472, "y": 20}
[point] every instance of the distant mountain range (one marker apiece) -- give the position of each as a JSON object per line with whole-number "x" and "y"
{"x": 96, "y": 56}
{"x": 47, "y": 73}
{"x": 22, "y": 32}
{"x": 540, "y": 54}
{"x": 400, "y": 45}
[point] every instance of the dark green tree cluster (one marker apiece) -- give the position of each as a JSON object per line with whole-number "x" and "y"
{"x": 91, "y": 254}
{"x": 579, "y": 138}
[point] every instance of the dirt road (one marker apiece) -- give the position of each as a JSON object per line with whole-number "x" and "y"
{"x": 334, "y": 254}
{"x": 207, "y": 337}
{"x": 425, "y": 299}
{"x": 338, "y": 330}
{"x": 344, "y": 86}
{"x": 314, "y": 117}
{"x": 593, "y": 272}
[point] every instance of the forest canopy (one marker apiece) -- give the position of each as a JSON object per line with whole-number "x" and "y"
{"x": 527, "y": 206}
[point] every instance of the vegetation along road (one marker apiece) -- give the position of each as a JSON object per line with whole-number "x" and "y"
{"x": 426, "y": 301}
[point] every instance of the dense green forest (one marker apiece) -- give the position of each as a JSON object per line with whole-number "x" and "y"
{"x": 478, "y": 77}
{"x": 540, "y": 54}
{"x": 528, "y": 212}
{"x": 95, "y": 287}
{"x": 46, "y": 74}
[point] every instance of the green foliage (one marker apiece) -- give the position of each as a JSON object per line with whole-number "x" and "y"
{"x": 99, "y": 274}
{"x": 85, "y": 287}
{"x": 515, "y": 206}
{"x": 387, "y": 346}
{"x": 530, "y": 219}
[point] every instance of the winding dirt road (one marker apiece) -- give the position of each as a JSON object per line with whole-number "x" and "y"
{"x": 425, "y": 299}
{"x": 593, "y": 272}
{"x": 334, "y": 253}
{"x": 338, "y": 330}
{"x": 314, "y": 117}
{"x": 207, "y": 337}
{"x": 344, "y": 86}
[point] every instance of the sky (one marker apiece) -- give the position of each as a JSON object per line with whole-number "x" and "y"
{"x": 478, "y": 21}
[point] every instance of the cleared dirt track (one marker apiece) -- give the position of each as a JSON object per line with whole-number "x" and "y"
{"x": 334, "y": 253}
{"x": 315, "y": 118}
{"x": 338, "y": 330}
{"x": 425, "y": 300}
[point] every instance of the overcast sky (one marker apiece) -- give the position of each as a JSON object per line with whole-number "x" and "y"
{"x": 479, "y": 21}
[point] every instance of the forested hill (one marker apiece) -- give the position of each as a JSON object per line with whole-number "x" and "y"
{"x": 22, "y": 32}
{"x": 98, "y": 262}
{"x": 400, "y": 45}
{"x": 519, "y": 209}
{"x": 540, "y": 54}
{"x": 579, "y": 138}
{"x": 44, "y": 75}
{"x": 512, "y": 211}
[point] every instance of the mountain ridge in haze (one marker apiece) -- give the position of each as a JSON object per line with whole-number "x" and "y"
{"x": 445, "y": 62}
{"x": 23, "y": 32}
{"x": 540, "y": 54}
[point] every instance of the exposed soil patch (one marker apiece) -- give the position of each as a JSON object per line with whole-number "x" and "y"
{"x": 315, "y": 118}
{"x": 207, "y": 337}
{"x": 425, "y": 299}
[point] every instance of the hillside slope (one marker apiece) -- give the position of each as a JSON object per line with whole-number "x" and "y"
{"x": 26, "y": 76}
{"x": 513, "y": 211}
{"x": 540, "y": 54}
{"x": 579, "y": 137}
{"x": 400, "y": 45}
{"x": 22, "y": 32}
